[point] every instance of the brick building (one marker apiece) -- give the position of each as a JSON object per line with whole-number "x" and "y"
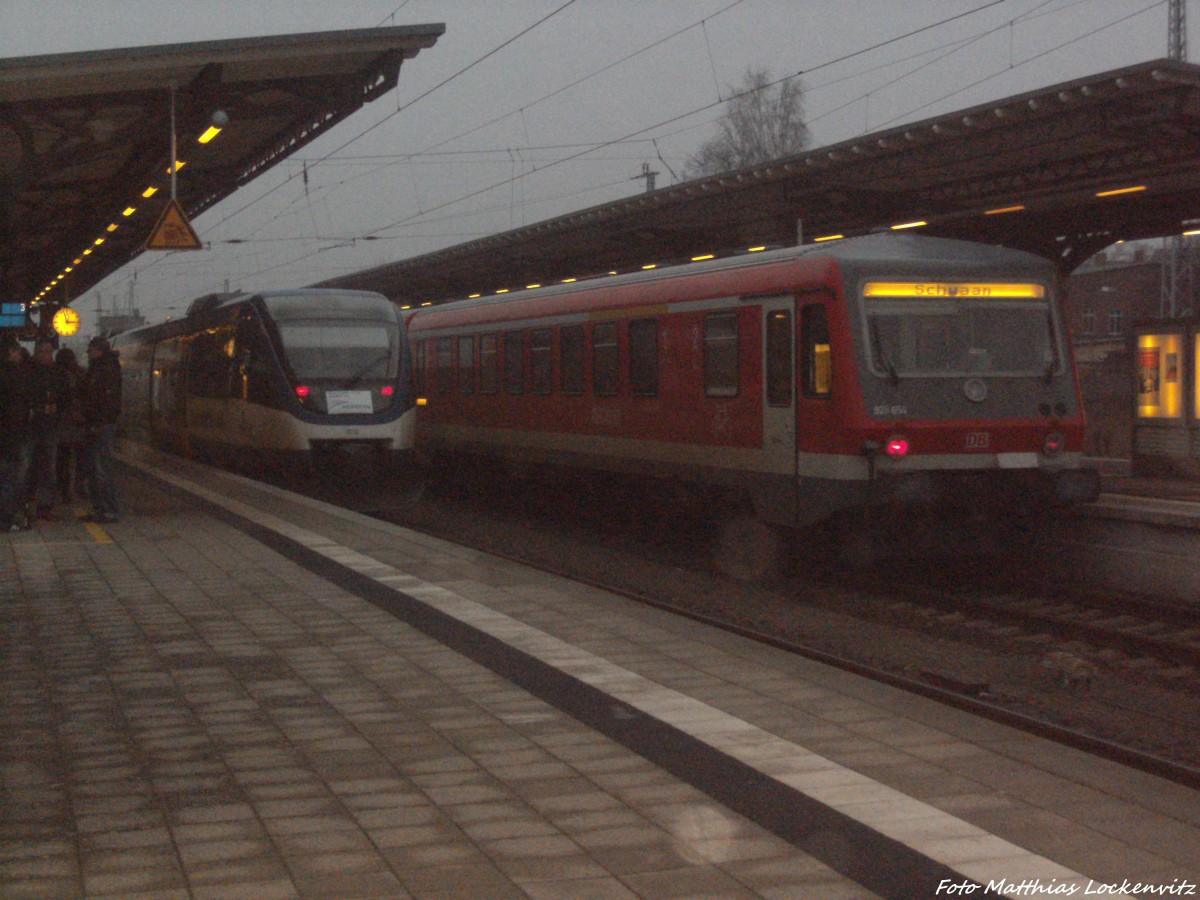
{"x": 1106, "y": 297}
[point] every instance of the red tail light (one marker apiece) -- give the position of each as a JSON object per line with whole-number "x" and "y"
{"x": 1053, "y": 444}
{"x": 302, "y": 391}
{"x": 387, "y": 390}
{"x": 897, "y": 447}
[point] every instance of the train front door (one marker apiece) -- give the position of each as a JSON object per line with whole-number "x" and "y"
{"x": 779, "y": 409}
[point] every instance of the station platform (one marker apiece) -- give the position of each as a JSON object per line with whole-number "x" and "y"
{"x": 237, "y": 692}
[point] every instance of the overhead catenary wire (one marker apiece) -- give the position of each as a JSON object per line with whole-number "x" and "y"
{"x": 427, "y": 213}
{"x": 522, "y": 109}
{"x": 416, "y": 99}
{"x": 630, "y": 135}
{"x": 704, "y": 108}
{"x": 829, "y": 63}
{"x": 508, "y": 181}
{"x": 408, "y": 105}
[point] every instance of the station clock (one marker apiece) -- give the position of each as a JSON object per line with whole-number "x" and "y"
{"x": 66, "y": 321}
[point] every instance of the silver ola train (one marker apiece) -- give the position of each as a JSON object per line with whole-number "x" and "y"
{"x": 276, "y": 377}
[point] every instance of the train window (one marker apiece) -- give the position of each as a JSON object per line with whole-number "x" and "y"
{"x": 345, "y": 351}
{"x": 605, "y": 359}
{"x": 466, "y": 365}
{"x": 541, "y": 362}
{"x": 210, "y": 362}
{"x": 489, "y": 377}
{"x": 445, "y": 364}
{"x": 721, "y": 355}
{"x": 643, "y": 357}
{"x": 817, "y": 362}
{"x": 514, "y": 362}
{"x": 779, "y": 357}
{"x": 166, "y": 391}
{"x": 418, "y": 354}
{"x": 571, "y": 359}
{"x": 964, "y": 335}
{"x": 255, "y": 363}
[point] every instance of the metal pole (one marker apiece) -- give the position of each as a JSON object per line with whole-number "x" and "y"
{"x": 174, "y": 158}
{"x": 1177, "y": 30}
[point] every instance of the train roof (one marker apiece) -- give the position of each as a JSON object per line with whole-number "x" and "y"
{"x": 209, "y": 302}
{"x": 874, "y": 248}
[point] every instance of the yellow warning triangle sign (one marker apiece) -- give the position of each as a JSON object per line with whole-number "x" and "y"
{"x": 173, "y": 231}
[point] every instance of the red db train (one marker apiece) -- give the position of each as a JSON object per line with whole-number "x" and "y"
{"x": 883, "y": 384}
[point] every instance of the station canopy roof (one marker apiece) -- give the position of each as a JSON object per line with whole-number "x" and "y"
{"x": 1061, "y": 172}
{"x": 83, "y": 136}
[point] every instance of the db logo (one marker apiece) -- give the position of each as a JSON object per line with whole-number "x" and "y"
{"x": 977, "y": 440}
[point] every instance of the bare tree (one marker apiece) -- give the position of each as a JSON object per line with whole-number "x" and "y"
{"x": 762, "y": 121}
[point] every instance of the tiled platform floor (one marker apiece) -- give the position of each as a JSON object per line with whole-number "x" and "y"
{"x": 187, "y": 713}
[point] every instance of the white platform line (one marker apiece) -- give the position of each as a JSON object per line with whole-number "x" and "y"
{"x": 977, "y": 854}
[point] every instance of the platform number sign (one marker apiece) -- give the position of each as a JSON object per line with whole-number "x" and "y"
{"x": 13, "y": 315}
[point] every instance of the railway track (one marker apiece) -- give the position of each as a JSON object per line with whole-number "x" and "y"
{"x": 1115, "y": 676}
{"x": 1163, "y": 636}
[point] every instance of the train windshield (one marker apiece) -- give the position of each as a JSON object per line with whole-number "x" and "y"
{"x": 345, "y": 338}
{"x": 922, "y": 330}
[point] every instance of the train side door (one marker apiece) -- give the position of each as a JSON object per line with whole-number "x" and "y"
{"x": 166, "y": 387}
{"x": 779, "y": 402}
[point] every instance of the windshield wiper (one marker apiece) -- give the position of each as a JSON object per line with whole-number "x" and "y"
{"x": 1050, "y": 366}
{"x": 882, "y": 358}
{"x": 363, "y": 372}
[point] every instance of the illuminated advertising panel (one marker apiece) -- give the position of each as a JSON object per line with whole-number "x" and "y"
{"x": 1159, "y": 376}
{"x": 1196, "y": 376}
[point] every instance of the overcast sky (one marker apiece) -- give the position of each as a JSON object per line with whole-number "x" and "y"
{"x": 565, "y": 116}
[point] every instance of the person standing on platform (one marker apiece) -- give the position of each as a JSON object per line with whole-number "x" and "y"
{"x": 15, "y": 408}
{"x": 100, "y": 403}
{"x": 70, "y": 432}
{"x": 48, "y": 390}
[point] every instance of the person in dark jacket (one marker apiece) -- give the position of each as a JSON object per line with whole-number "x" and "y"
{"x": 70, "y": 430}
{"x": 100, "y": 404}
{"x": 15, "y": 448}
{"x": 49, "y": 394}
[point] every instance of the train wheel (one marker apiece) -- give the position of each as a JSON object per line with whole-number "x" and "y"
{"x": 747, "y": 549}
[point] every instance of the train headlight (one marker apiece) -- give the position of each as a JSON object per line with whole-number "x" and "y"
{"x": 896, "y": 447}
{"x": 1053, "y": 444}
